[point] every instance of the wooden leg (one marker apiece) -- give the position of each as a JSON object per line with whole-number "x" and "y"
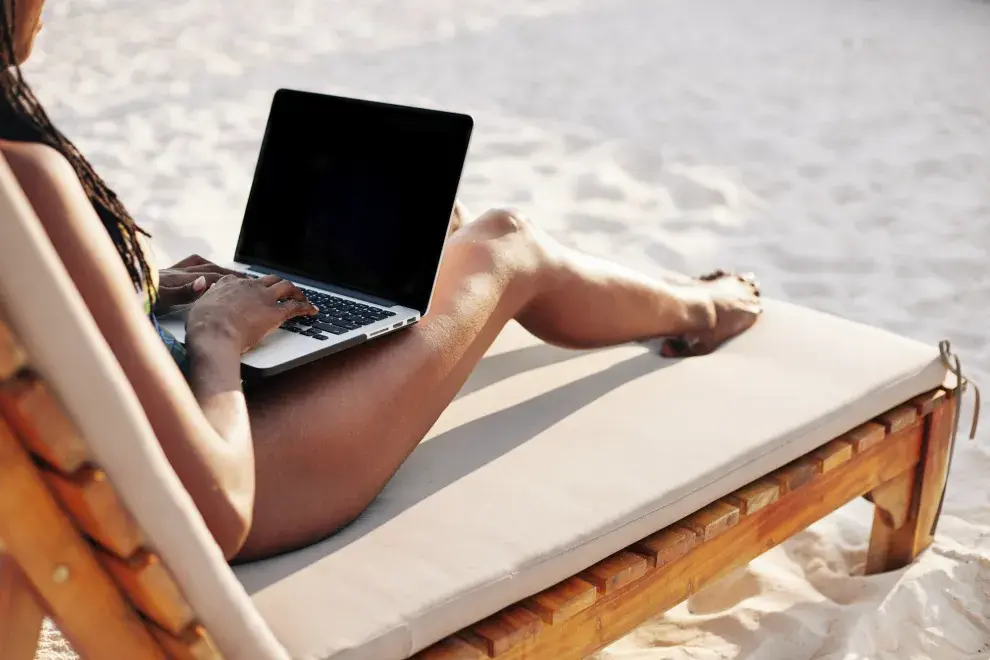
{"x": 20, "y": 613}
{"x": 907, "y": 505}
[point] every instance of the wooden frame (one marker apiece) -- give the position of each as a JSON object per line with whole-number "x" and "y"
{"x": 897, "y": 461}
{"x": 70, "y": 550}
{"x": 68, "y": 547}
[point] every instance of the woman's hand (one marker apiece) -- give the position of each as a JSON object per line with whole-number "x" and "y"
{"x": 186, "y": 281}
{"x": 245, "y": 310}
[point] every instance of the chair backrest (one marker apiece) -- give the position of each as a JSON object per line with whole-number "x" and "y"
{"x": 91, "y": 512}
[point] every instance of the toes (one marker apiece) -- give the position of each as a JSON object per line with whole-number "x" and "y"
{"x": 714, "y": 275}
{"x": 750, "y": 279}
{"x": 747, "y": 278}
{"x": 675, "y": 347}
{"x": 682, "y": 347}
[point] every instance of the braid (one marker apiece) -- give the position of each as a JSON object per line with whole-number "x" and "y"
{"x": 22, "y": 119}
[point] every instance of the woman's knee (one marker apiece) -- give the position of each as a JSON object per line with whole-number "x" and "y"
{"x": 505, "y": 245}
{"x": 502, "y": 222}
{"x": 510, "y": 236}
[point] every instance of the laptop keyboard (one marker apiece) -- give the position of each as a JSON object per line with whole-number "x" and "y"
{"x": 337, "y": 316}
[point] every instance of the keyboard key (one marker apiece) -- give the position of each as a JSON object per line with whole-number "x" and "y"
{"x": 328, "y": 327}
{"x": 320, "y": 337}
{"x": 336, "y": 310}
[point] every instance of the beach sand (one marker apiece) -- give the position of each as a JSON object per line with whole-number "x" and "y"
{"x": 839, "y": 148}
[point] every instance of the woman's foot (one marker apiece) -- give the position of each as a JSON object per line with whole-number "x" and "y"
{"x": 733, "y": 304}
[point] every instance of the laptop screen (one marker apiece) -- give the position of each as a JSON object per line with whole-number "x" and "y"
{"x": 355, "y": 194}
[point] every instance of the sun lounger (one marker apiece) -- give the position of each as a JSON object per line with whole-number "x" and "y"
{"x": 562, "y": 500}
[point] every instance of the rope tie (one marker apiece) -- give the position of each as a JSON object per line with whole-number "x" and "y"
{"x": 954, "y": 365}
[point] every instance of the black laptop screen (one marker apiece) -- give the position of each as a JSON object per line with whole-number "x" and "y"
{"x": 355, "y": 194}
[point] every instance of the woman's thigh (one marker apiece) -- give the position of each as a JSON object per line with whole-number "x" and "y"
{"x": 329, "y": 435}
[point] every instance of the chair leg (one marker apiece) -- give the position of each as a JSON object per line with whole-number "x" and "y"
{"x": 907, "y": 505}
{"x": 21, "y": 614}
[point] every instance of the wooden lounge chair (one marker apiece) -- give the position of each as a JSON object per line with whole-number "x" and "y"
{"x": 563, "y": 499}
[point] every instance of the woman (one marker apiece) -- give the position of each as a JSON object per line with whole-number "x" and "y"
{"x": 305, "y": 452}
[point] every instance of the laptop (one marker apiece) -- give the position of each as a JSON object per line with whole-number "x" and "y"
{"x": 351, "y": 200}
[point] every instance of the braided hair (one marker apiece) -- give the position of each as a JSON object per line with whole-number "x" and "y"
{"x": 22, "y": 119}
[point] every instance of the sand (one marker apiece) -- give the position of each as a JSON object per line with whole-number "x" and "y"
{"x": 839, "y": 148}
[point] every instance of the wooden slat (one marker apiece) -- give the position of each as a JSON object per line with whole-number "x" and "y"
{"x": 12, "y": 357}
{"x": 60, "y": 565}
{"x": 863, "y": 437}
{"x": 562, "y": 601}
{"x": 898, "y": 418}
{"x": 832, "y": 455}
{"x": 499, "y": 633}
{"x": 794, "y": 475}
{"x": 713, "y": 520}
{"x": 755, "y": 496}
{"x": 612, "y": 617}
{"x": 451, "y": 648}
{"x": 192, "y": 644}
{"x": 616, "y": 571}
{"x": 21, "y": 615}
{"x": 38, "y": 418}
{"x": 97, "y": 509}
{"x": 151, "y": 588}
{"x": 666, "y": 545}
{"x": 928, "y": 402}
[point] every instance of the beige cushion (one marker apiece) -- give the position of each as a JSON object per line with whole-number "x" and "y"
{"x": 41, "y": 303}
{"x": 551, "y": 460}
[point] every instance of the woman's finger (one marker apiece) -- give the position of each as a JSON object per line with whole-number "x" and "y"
{"x": 286, "y": 289}
{"x": 191, "y": 260}
{"x": 292, "y": 308}
{"x": 184, "y": 282}
{"x": 175, "y": 278}
{"x": 212, "y": 268}
{"x": 171, "y": 296}
{"x": 269, "y": 280}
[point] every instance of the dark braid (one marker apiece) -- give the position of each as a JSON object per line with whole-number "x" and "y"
{"x": 22, "y": 119}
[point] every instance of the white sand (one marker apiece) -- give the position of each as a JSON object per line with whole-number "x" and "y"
{"x": 837, "y": 147}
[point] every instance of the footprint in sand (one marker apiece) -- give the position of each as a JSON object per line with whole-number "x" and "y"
{"x": 583, "y": 222}
{"x": 689, "y": 194}
{"x": 726, "y": 593}
{"x": 591, "y": 186}
{"x": 512, "y": 149}
{"x": 812, "y": 171}
{"x": 846, "y": 194}
{"x": 809, "y": 264}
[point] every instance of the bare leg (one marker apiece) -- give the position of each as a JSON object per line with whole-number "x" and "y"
{"x": 325, "y": 450}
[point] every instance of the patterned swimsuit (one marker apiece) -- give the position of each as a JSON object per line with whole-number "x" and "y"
{"x": 175, "y": 349}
